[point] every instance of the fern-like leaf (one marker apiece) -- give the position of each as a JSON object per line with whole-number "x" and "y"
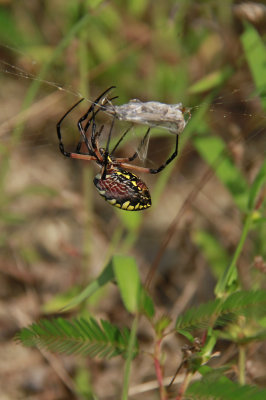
{"x": 245, "y": 303}
{"x": 199, "y": 317}
{"x": 220, "y": 311}
{"x": 223, "y": 390}
{"x": 81, "y": 336}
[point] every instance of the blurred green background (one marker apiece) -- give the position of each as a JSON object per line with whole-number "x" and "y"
{"x": 57, "y": 233}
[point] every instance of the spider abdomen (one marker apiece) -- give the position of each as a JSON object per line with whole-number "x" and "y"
{"x": 123, "y": 189}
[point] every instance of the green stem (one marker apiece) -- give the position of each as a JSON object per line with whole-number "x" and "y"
{"x": 114, "y": 243}
{"x": 132, "y": 339}
{"x": 129, "y": 240}
{"x": 228, "y": 280}
{"x": 241, "y": 365}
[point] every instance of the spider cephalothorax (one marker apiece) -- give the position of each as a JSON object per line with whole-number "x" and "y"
{"x": 115, "y": 183}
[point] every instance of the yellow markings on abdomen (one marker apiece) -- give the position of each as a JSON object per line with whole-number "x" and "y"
{"x": 112, "y": 202}
{"x": 125, "y": 205}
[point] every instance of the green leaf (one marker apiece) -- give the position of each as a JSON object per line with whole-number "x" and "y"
{"x": 199, "y": 317}
{"x": 83, "y": 382}
{"x": 146, "y": 304}
{"x": 81, "y": 336}
{"x": 243, "y": 339}
{"x": 258, "y": 221}
{"x": 212, "y": 374}
{"x": 213, "y": 151}
{"x": 59, "y": 301}
{"x": 211, "y": 81}
{"x": 221, "y": 311}
{"x": 106, "y": 276}
{"x": 127, "y": 275}
{"x": 224, "y": 390}
{"x": 210, "y": 342}
{"x": 256, "y": 186}
{"x": 162, "y": 324}
{"x": 255, "y": 53}
{"x": 245, "y": 303}
{"x": 186, "y": 334}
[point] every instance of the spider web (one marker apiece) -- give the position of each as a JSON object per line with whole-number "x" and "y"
{"x": 220, "y": 102}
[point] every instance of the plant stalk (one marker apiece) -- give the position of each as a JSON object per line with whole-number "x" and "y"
{"x": 231, "y": 274}
{"x": 158, "y": 369}
{"x": 132, "y": 338}
{"x": 242, "y": 365}
{"x": 184, "y": 386}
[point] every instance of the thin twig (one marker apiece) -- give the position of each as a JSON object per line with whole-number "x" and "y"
{"x": 158, "y": 369}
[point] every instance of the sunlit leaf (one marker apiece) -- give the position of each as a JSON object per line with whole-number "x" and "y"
{"x": 127, "y": 276}
{"x": 255, "y": 53}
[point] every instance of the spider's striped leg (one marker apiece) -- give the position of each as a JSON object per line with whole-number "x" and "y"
{"x": 171, "y": 158}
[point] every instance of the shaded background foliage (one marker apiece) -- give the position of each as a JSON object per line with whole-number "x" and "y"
{"x": 57, "y": 233}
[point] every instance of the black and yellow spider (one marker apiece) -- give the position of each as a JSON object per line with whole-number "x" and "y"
{"x": 115, "y": 183}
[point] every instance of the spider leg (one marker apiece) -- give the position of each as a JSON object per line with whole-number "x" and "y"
{"x": 94, "y": 133}
{"x": 134, "y": 167}
{"x": 95, "y": 144}
{"x": 77, "y": 154}
{"x": 128, "y": 159}
{"x": 94, "y": 153}
{"x": 91, "y": 109}
{"x": 79, "y": 146}
{"x": 106, "y": 157}
{"x": 95, "y": 103}
{"x": 82, "y": 156}
{"x": 58, "y": 129}
{"x": 120, "y": 140}
{"x": 171, "y": 158}
{"x": 101, "y": 107}
{"x": 150, "y": 170}
{"x": 84, "y": 130}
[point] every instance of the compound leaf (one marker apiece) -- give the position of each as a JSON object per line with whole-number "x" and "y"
{"x": 80, "y": 336}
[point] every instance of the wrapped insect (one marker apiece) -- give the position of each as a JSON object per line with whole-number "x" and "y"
{"x": 172, "y": 117}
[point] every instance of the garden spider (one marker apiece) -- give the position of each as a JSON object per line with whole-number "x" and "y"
{"x": 117, "y": 185}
